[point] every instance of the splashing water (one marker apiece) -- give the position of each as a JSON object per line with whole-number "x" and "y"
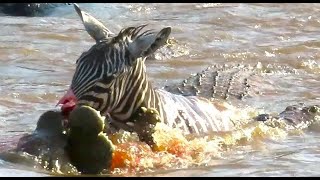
{"x": 173, "y": 150}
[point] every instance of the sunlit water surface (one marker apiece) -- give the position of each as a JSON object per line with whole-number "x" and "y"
{"x": 37, "y": 61}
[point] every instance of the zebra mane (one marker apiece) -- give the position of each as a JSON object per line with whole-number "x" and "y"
{"x": 132, "y": 33}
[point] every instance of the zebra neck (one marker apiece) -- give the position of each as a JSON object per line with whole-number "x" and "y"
{"x": 137, "y": 92}
{"x": 190, "y": 114}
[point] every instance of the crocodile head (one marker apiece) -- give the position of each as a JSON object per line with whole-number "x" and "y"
{"x": 45, "y": 146}
{"x": 300, "y": 113}
{"x": 48, "y": 134}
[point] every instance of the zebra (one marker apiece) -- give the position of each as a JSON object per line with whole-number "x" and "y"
{"x": 111, "y": 78}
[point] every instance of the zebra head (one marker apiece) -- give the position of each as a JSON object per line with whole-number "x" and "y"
{"x": 111, "y": 57}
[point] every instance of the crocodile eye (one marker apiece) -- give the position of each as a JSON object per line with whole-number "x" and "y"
{"x": 291, "y": 108}
{"x": 263, "y": 117}
{"x": 314, "y": 109}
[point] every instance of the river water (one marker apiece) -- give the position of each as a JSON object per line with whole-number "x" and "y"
{"x": 37, "y": 61}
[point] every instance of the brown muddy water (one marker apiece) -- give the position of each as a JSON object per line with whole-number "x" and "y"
{"x": 37, "y": 60}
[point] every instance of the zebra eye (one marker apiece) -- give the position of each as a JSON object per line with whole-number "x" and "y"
{"x": 108, "y": 78}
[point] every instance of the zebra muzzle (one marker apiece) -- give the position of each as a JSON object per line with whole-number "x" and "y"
{"x": 68, "y": 102}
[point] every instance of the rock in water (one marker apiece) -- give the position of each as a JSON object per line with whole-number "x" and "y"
{"x": 89, "y": 149}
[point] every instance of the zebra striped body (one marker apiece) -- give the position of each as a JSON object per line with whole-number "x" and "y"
{"x": 111, "y": 77}
{"x": 191, "y": 114}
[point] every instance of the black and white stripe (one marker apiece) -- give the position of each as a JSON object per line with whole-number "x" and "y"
{"x": 126, "y": 93}
{"x": 102, "y": 60}
{"x": 115, "y": 83}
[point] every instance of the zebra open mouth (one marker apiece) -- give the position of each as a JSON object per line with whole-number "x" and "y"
{"x": 68, "y": 102}
{"x": 68, "y": 107}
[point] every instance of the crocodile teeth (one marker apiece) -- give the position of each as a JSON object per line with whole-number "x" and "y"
{"x": 144, "y": 109}
{"x": 130, "y": 124}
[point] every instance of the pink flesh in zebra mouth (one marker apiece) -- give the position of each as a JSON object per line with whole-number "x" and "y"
{"x": 68, "y": 107}
{"x": 65, "y": 111}
{"x": 68, "y": 102}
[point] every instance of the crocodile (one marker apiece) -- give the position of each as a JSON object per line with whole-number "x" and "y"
{"x": 29, "y": 9}
{"x": 230, "y": 82}
{"x": 48, "y": 133}
{"x": 71, "y": 149}
{"x": 44, "y": 147}
{"x": 295, "y": 115}
{"x": 88, "y": 148}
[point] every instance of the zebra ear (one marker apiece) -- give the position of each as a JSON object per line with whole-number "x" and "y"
{"x": 94, "y": 27}
{"x": 147, "y": 44}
